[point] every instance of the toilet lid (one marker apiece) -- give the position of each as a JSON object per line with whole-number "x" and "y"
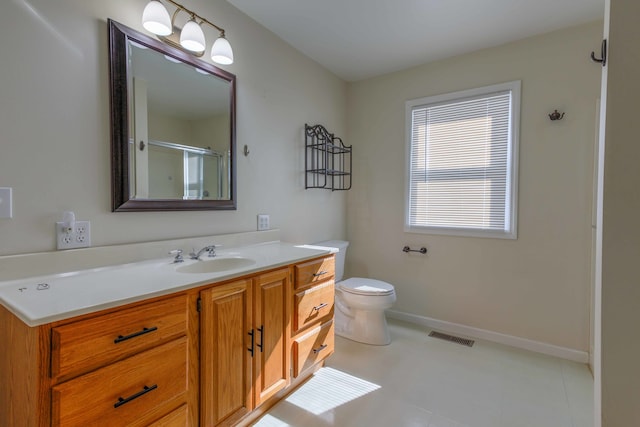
{"x": 362, "y": 286}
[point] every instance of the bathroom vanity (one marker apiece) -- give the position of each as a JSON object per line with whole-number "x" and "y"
{"x": 211, "y": 342}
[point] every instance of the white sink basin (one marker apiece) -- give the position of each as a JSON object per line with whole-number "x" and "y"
{"x": 215, "y": 265}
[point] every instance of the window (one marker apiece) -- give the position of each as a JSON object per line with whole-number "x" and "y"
{"x": 462, "y": 151}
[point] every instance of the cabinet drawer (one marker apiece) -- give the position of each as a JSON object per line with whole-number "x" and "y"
{"x": 89, "y": 344}
{"x": 315, "y": 271}
{"x": 312, "y": 347}
{"x": 176, "y": 418}
{"x": 126, "y": 392}
{"x": 312, "y": 305}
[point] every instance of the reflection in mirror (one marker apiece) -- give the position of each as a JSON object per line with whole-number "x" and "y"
{"x": 189, "y": 173}
{"x": 173, "y": 120}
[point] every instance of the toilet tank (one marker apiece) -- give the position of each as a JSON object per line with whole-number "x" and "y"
{"x": 341, "y": 245}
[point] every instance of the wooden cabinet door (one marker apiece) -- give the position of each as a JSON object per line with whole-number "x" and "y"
{"x": 225, "y": 358}
{"x": 273, "y": 330}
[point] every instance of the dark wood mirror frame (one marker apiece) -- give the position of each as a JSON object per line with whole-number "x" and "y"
{"x": 119, "y": 34}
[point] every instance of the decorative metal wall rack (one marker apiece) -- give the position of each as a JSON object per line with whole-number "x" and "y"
{"x": 327, "y": 160}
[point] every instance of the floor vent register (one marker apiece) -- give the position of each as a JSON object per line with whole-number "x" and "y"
{"x": 452, "y": 338}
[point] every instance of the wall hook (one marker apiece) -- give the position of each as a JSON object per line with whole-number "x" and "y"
{"x": 556, "y": 115}
{"x": 246, "y": 150}
{"x": 603, "y": 54}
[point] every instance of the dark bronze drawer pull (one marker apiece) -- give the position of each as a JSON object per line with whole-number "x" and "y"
{"x": 122, "y": 400}
{"x": 320, "y": 273}
{"x": 135, "y": 334}
{"x": 319, "y": 349}
{"x": 319, "y": 307}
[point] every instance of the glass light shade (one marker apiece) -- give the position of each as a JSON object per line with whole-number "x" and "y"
{"x": 192, "y": 37}
{"x": 221, "y": 51}
{"x": 156, "y": 19}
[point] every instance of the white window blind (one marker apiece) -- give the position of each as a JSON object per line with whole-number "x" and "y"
{"x": 462, "y": 150}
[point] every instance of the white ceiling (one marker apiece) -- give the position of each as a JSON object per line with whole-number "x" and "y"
{"x": 357, "y": 39}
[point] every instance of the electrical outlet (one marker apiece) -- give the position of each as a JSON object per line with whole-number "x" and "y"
{"x": 263, "y": 222}
{"x": 80, "y": 237}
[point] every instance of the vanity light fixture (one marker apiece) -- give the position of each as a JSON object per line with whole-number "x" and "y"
{"x": 190, "y": 38}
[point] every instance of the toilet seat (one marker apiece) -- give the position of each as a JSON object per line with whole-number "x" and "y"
{"x": 363, "y": 286}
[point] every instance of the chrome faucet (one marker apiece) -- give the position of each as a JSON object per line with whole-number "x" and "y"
{"x": 178, "y": 255}
{"x": 211, "y": 249}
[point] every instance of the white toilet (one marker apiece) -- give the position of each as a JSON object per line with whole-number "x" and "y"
{"x": 360, "y": 303}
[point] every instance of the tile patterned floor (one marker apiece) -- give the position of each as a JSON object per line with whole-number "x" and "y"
{"x": 419, "y": 381}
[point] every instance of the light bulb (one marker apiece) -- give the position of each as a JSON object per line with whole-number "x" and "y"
{"x": 192, "y": 37}
{"x": 221, "y": 51}
{"x": 155, "y": 19}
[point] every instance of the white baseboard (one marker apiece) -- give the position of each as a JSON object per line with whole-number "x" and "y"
{"x": 523, "y": 343}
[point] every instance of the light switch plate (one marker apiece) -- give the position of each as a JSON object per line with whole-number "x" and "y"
{"x": 263, "y": 222}
{"x": 6, "y": 202}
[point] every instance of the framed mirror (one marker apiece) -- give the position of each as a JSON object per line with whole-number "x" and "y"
{"x": 172, "y": 127}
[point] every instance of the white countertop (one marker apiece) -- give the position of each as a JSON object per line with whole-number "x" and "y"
{"x": 71, "y": 294}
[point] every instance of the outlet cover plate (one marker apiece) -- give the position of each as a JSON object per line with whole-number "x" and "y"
{"x": 80, "y": 237}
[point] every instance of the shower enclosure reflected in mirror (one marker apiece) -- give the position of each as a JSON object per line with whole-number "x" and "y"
{"x": 185, "y": 172}
{"x": 173, "y": 127}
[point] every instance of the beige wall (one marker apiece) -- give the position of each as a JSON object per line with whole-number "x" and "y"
{"x": 620, "y": 351}
{"x": 170, "y": 129}
{"x": 165, "y": 173}
{"x": 536, "y": 287}
{"x": 54, "y": 116}
{"x": 212, "y": 132}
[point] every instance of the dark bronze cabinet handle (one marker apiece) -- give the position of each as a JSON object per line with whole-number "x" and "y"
{"x": 135, "y": 334}
{"x": 319, "y": 307}
{"x": 320, "y": 273}
{"x": 319, "y": 349}
{"x": 261, "y": 330}
{"x": 122, "y": 400}
{"x": 252, "y": 335}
